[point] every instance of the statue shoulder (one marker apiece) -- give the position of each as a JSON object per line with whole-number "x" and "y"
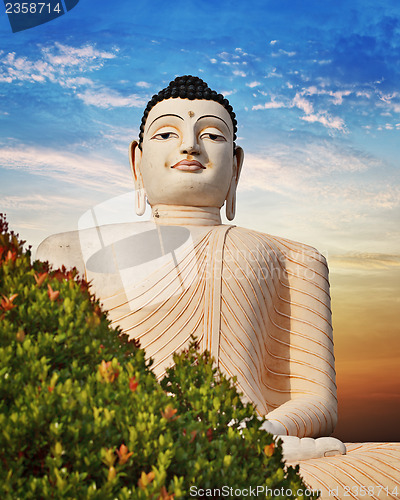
{"x": 295, "y": 248}
{"x": 62, "y": 249}
{"x": 293, "y": 253}
{"x": 73, "y": 248}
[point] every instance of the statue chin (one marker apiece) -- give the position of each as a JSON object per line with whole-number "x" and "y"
{"x": 195, "y": 196}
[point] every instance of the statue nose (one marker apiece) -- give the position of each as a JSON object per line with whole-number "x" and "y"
{"x": 190, "y": 144}
{"x": 190, "y": 149}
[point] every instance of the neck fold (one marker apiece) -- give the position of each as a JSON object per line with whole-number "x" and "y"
{"x": 178, "y": 215}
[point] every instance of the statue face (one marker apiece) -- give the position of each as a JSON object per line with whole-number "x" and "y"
{"x": 187, "y": 156}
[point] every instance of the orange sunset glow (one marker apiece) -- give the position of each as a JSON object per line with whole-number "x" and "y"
{"x": 366, "y": 306}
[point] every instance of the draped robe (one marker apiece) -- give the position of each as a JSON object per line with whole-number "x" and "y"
{"x": 260, "y": 304}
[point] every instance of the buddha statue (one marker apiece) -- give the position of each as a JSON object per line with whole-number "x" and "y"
{"x": 259, "y": 303}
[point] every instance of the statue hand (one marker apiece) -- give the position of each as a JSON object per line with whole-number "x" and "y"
{"x": 295, "y": 449}
{"x": 273, "y": 427}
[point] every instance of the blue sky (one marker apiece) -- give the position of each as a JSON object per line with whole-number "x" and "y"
{"x": 315, "y": 86}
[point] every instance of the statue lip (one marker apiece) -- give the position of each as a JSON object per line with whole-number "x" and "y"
{"x": 188, "y": 165}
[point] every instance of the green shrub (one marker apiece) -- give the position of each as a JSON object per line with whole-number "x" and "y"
{"x": 82, "y": 415}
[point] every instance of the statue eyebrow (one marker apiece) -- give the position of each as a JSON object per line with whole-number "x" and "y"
{"x": 162, "y": 116}
{"x": 213, "y": 116}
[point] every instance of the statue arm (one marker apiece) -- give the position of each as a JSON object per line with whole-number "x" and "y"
{"x": 310, "y": 409}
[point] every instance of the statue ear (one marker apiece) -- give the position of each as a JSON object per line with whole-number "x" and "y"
{"x": 230, "y": 204}
{"x": 135, "y": 158}
{"x": 238, "y": 158}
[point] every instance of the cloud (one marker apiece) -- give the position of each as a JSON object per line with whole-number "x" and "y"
{"x": 106, "y": 99}
{"x": 117, "y": 136}
{"x": 226, "y": 56}
{"x": 274, "y": 74}
{"x": 241, "y": 51}
{"x": 93, "y": 172}
{"x": 322, "y": 117}
{"x": 66, "y": 65}
{"x": 270, "y": 105}
{"x": 303, "y": 104}
{"x": 37, "y": 202}
{"x": 58, "y": 64}
{"x": 363, "y": 93}
{"x": 144, "y": 85}
{"x": 364, "y": 260}
{"x": 306, "y": 106}
{"x": 321, "y": 171}
{"x": 338, "y": 96}
{"x": 227, "y": 93}
{"x": 332, "y": 122}
{"x": 283, "y": 52}
{"x": 387, "y": 197}
{"x": 73, "y": 83}
{"x": 253, "y": 84}
{"x": 66, "y": 55}
{"x": 234, "y": 60}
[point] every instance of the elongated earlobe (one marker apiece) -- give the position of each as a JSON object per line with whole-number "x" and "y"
{"x": 135, "y": 157}
{"x": 140, "y": 201}
{"x": 230, "y": 204}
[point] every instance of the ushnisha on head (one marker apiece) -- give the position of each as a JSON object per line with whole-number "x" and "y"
{"x": 184, "y": 155}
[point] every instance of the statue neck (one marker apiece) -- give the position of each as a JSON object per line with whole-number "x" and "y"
{"x": 179, "y": 215}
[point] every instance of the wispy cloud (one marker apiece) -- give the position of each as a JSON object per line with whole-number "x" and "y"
{"x": 144, "y": 85}
{"x": 67, "y": 56}
{"x": 325, "y": 119}
{"x": 322, "y": 117}
{"x": 68, "y": 66}
{"x": 300, "y": 102}
{"x": 94, "y": 172}
{"x": 58, "y": 63}
{"x": 270, "y": 105}
{"x": 274, "y": 74}
{"x": 321, "y": 171}
{"x": 337, "y": 95}
{"x": 240, "y": 51}
{"x": 253, "y": 84}
{"x": 366, "y": 261}
{"x": 282, "y": 52}
{"x": 106, "y": 98}
{"x": 37, "y": 202}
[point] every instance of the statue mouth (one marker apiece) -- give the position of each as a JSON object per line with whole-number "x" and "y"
{"x": 188, "y": 165}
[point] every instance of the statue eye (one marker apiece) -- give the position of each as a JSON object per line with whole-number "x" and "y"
{"x": 213, "y": 137}
{"x": 164, "y": 136}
